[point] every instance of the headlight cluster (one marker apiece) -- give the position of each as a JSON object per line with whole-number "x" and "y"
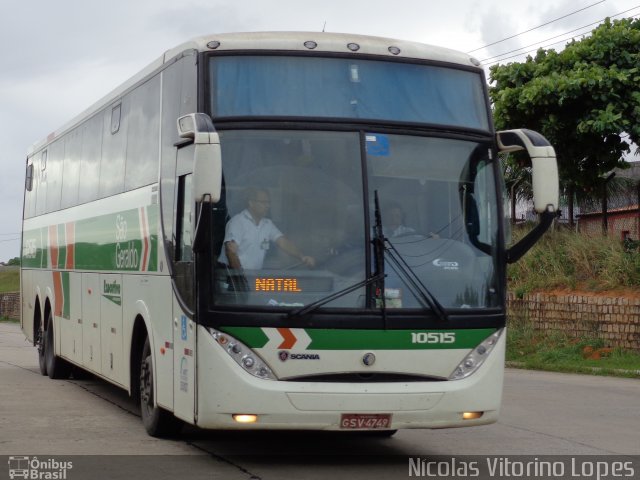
{"x": 476, "y": 357}
{"x": 242, "y": 355}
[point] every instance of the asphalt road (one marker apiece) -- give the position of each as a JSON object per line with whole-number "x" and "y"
{"x": 96, "y": 423}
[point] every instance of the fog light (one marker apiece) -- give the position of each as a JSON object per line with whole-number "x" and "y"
{"x": 472, "y": 415}
{"x": 245, "y": 418}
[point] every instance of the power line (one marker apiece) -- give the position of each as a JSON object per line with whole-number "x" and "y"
{"x": 10, "y": 240}
{"x": 543, "y": 47}
{"x": 539, "y": 26}
{"x": 560, "y": 35}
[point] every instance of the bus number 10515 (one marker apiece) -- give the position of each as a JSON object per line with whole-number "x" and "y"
{"x": 433, "y": 337}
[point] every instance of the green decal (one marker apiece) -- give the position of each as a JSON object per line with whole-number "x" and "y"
{"x": 253, "y": 337}
{"x": 32, "y": 249}
{"x": 343, "y": 339}
{"x": 396, "y": 339}
{"x": 123, "y": 241}
{"x": 153, "y": 215}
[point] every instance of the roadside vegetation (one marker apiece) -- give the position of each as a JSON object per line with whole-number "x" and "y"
{"x": 559, "y": 352}
{"x": 563, "y": 259}
{"x": 9, "y": 279}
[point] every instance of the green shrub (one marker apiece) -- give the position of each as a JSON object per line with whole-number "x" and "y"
{"x": 565, "y": 259}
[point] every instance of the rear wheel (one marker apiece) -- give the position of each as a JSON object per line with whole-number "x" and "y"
{"x": 39, "y": 343}
{"x": 157, "y": 421}
{"x": 57, "y": 368}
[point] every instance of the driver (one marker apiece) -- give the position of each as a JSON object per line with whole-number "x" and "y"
{"x": 249, "y": 235}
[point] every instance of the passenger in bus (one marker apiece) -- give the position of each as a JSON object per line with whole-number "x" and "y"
{"x": 393, "y": 219}
{"x": 249, "y": 235}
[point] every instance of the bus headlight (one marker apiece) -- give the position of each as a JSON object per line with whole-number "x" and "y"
{"x": 242, "y": 355}
{"x": 476, "y": 357}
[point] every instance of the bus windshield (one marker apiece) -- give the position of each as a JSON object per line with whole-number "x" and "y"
{"x": 341, "y": 88}
{"x": 438, "y": 207}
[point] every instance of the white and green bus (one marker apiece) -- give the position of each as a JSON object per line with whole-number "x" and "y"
{"x": 380, "y": 162}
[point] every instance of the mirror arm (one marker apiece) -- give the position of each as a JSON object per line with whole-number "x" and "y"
{"x": 523, "y": 246}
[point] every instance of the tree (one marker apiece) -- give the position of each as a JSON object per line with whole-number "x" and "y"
{"x": 582, "y": 99}
{"x": 517, "y": 180}
{"x": 14, "y": 261}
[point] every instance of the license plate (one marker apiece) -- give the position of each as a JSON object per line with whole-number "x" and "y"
{"x": 365, "y": 421}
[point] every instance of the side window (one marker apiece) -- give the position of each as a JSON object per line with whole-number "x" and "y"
{"x": 183, "y": 265}
{"x": 29, "y": 177}
{"x": 185, "y": 219}
{"x": 114, "y": 148}
{"x": 142, "y": 139}
{"x": 30, "y": 189}
{"x": 41, "y": 185}
{"x": 90, "y": 159}
{"x": 55, "y": 157}
{"x": 71, "y": 168}
{"x": 178, "y": 97}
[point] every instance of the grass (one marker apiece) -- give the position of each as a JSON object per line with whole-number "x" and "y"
{"x": 559, "y": 352}
{"x": 564, "y": 259}
{"x": 10, "y": 279}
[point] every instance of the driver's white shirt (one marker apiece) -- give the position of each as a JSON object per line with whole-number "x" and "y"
{"x": 253, "y": 240}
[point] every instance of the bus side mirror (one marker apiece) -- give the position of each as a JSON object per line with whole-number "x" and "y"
{"x": 546, "y": 187}
{"x": 545, "y": 183}
{"x": 207, "y": 158}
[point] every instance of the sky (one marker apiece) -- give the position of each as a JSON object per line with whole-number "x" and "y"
{"x": 59, "y": 57}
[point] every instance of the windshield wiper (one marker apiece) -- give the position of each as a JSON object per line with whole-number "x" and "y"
{"x": 324, "y": 300}
{"x": 402, "y": 268}
{"x": 378, "y": 250}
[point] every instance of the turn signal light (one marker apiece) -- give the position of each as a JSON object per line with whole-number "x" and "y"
{"x": 245, "y": 418}
{"x": 472, "y": 415}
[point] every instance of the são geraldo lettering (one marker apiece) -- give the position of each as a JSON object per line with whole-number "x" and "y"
{"x": 127, "y": 256}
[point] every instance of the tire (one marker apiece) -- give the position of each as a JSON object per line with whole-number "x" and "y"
{"x": 157, "y": 421}
{"x": 57, "y": 368}
{"x": 40, "y": 344}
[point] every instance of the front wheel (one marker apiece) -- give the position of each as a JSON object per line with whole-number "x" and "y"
{"x": 157, "y": 421}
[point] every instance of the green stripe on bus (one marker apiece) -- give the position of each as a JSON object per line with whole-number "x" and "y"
{"x": 396, "y": 339}
{"x": 102, "y": 243}
{"x": 66, "y": 302}
{"x": 339, "y": 339}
